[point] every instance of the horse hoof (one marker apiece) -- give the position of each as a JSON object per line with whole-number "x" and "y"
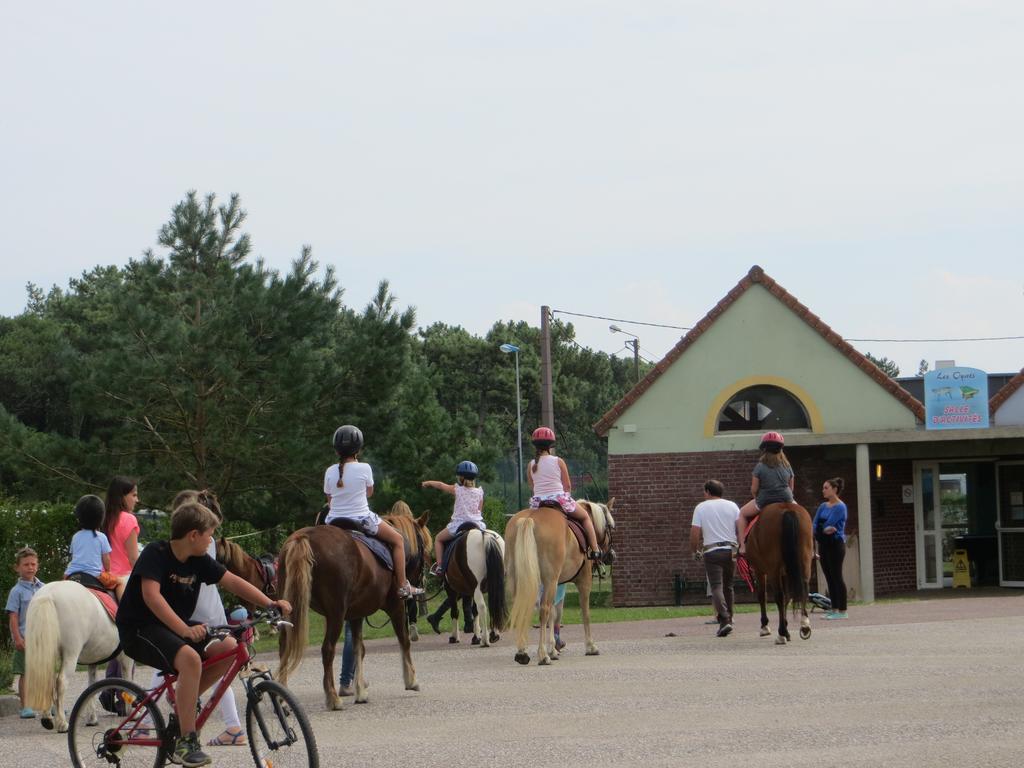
{"x": 452, "y": 640}
{"x": 522, "y": 658}
{"x": 364, "y": 700}
{"x": 593, "y": 652}
{"x": 337, "y": 706}
{"x": 47, "y": 722}
{"x": 544, "y": 661}
{"x": 413, "y": 687}
{"x": 805, "y": 633}
{"x": 475, "y": 640}
{"x": 780, "y": 640}
{"x": 495, "y": 637}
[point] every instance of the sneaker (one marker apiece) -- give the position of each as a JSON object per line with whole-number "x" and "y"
{"x": 27, "y": 713}
{"x": 559, "y": 643}
{"x": 188, "y": 753}
{"x": 724, "y": 630}
{"x": 407, "y": 590}
{"x": 837, "y": 615}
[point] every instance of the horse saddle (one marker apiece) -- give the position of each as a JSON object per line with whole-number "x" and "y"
{"x": 574, "y": 525}
{"x": 449, "y": 549}
{"x": 379, "y": 549}
{"x": 267, "y": 565}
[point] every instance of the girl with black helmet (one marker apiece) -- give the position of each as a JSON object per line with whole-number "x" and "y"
{"x": 772, "y": 483}
{"x": 548, "y": 477}
{"x": 469, "y": 506}
{"x": 348, "y": 486}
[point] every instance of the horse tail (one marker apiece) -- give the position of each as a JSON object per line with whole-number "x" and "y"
{"x": 795, "y": 577}
{"x": 523, "y": 574}
{"x": 42, "y": 652}
{"x": 297, "y": 558}
{"x": 494, "y": 560}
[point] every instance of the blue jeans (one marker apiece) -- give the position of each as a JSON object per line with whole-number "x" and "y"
{"x": 348, "y": 658}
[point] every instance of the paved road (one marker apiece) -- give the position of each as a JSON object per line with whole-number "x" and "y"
{"x": 935, "y": 682}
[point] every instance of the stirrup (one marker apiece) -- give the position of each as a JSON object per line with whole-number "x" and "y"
{"x": 594, "y": 554}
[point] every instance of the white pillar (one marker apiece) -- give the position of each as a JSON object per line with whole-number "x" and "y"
{"x": 867, "y": 559}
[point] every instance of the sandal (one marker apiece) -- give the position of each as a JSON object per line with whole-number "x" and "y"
{"x": 595, "y": 554}
{"x": 435, "y": 569}
{"x": 228, "y": 739}
{"x": 407, "y": 590}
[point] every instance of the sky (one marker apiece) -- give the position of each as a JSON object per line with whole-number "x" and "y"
{"x": 623, "y": 160}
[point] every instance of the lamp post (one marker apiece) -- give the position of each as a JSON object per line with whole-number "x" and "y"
{"x": 634, "y": 343}
{"x": 513, "y": 349}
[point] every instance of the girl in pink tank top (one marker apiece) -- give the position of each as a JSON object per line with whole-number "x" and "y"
{"x": 122, "y": 528}
{"x": 548, "y": 477}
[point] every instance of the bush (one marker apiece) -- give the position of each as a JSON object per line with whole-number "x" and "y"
{"x": 6, "y": 665}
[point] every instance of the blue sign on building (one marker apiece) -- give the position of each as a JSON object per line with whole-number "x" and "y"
{"x": 956, "y": 398}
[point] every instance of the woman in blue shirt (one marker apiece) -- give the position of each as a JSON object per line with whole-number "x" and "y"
{"x": 830, "y": 538}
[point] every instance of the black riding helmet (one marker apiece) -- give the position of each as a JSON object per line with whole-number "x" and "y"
{"x": 348, "y": 440}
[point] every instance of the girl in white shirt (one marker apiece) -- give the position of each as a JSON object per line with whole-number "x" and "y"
{"x": 348, "y": 486}
{"x": 469, "y": 505}
{"x": 548, "y": 476}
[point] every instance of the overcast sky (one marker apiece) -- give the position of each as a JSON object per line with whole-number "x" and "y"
{"x": 629, "y": 160}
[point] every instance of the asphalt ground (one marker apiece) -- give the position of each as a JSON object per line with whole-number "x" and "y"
{"x": 928, "y": 682}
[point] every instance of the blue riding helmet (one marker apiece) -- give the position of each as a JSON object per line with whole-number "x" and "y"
{"x": 467, "y": 469}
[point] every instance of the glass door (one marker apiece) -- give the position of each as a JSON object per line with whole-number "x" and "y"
{"x": 928, "y": 525}
{"x": 1010, "y": 523}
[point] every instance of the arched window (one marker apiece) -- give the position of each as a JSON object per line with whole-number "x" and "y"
{"x": 762, "y": 407}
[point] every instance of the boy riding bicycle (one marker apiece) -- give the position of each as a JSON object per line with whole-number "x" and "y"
{"x": 152, "y": 619}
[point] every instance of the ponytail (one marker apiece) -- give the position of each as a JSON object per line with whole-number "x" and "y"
{"x": 542, "y": 447}
{"x": 341, "y": 473}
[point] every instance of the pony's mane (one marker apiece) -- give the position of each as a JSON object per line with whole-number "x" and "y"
{"x": 602, "y": 517}
{"x": 400, "y": 516}
{"x": 232, "y": 555}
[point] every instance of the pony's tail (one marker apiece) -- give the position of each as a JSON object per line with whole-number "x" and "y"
{"x": 523, "y": 575}
{"x": 42, "y": 652}
{"x": 494, "y": 561}
{"x": 297, "y": 558}
{"x": 795, "y": 577}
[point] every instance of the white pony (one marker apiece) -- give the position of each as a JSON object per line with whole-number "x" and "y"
{"x": 66, "y": 625}
{"x": 476, "y": 567}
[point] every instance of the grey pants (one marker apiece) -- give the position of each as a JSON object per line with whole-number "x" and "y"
{"x": 720, "y": 568}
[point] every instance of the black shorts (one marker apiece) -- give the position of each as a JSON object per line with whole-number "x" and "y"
{"x": 155, "y": 645}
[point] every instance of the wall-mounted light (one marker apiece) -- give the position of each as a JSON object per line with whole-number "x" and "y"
{"x": 878, "y": 471}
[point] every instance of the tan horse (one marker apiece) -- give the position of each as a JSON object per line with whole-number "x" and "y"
{"x": 419, "y": 545}
{"x": 260, "y": 572}
{"x": 540, "y": 550}
{"x": 324, "y": 569}
{"x": 780, "y": 550}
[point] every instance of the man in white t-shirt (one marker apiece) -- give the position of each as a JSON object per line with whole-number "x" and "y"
{"x": 713, "y": 538}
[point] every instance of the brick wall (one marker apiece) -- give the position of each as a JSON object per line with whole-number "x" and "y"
{"x": 655, "y": 495}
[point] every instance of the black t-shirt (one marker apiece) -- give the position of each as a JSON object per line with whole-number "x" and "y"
{"x": 179, "y": 584}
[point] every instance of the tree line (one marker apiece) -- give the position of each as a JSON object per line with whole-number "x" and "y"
{"x": 197, "y": 365}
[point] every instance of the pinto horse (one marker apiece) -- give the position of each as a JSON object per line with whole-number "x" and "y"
{"x": 476, "y": 567}
{"x": 541, "y": 550}
{"x": 66, "y": 625}
{"x": 261, "y": 571}
{"x": 418, "y": 546}
{"x": 780, "y": 550}
{"x": 325, "y": 569}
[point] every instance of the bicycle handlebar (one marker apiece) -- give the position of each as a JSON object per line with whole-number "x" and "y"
{"x": 271, "y": 616}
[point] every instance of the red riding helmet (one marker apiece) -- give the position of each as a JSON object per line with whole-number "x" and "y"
{"x": 543, "y": 434}
{"x": 772, "y": 438}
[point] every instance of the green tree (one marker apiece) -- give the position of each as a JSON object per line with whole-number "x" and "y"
{"x": 888, "y": 367}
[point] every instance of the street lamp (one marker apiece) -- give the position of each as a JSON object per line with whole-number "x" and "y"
{"x": 634, "y": 343}
{"x": 513, "y": 349}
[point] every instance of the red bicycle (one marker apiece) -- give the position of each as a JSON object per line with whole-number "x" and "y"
{"x": 137, "y": 734}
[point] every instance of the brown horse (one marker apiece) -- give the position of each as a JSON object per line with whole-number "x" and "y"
{"x": 780, "y": 550}
{"x": 324, "y": 569}
{"x": 541, "y": 550}
{"x": 261, "y": 572}
{"x": 419, "y": 545}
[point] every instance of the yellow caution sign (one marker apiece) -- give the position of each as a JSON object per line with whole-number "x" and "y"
{"x": 961, "y": 569}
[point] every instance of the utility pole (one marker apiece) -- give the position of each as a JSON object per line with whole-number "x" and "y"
{"x": 547, "y": 401}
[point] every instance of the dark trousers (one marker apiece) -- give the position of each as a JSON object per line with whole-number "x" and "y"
{"x": 720, "y": 567}
{"x": 833, "y": 551}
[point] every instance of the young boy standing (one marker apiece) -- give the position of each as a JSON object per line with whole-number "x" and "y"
{"x": 159, "y": 598}
{"x": 26, "y": 563}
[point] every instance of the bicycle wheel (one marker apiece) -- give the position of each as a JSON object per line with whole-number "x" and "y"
{"x": 98, "y": 738}
{"x": 278, "y": 729}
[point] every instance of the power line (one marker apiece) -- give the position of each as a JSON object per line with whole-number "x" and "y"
{"x": 873, "y": 341}
{"x": 619, "y": 320}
